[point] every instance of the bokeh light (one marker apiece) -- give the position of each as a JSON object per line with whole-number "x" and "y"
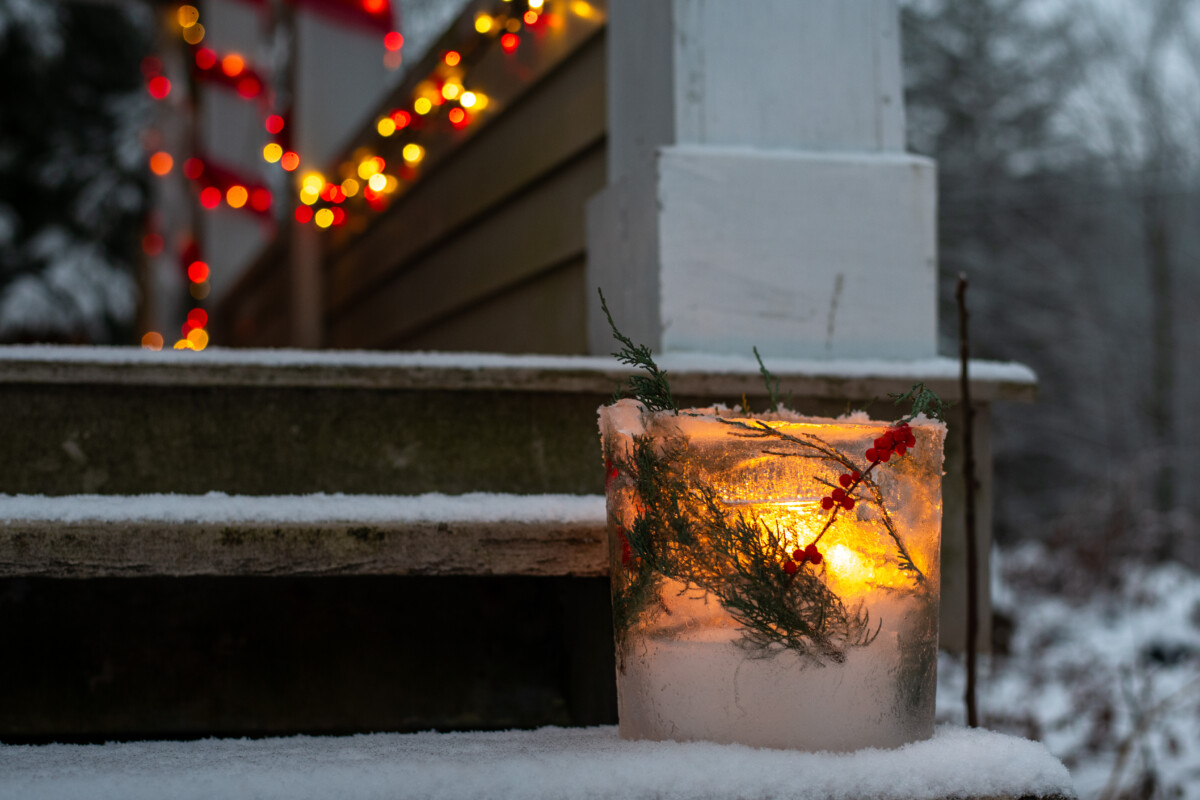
{"x": 289, "y": 161}
{"x": 236, "y": 196}
{"x": 187, "y": 16}
{"x": 260, "y": 199}
{"x": 194, "y": 34}
{"x": 232, "y": 65}
{"x": 413, "y": 153}
{"x": 161, "y": 163}
{"x": 159, "y": 87}
{"x": 386, "y": 126}
{"x": 323, "y": 218}
{"x": 272, "y": 153}
{"x": 303, "y": 214}
{"x": 393, "y": 41}
{"x": 422, "y": 105}
{"x": 197, "y": 272}
{"x": 198, "y": 338}
{"x": 152, "y": 340}
{"x": 210, "y": 197}
{"x": 274, "y": 124}
{"x": 206, "y": 58}
{"x": 509, "y": 42}
{"x": 452, "y": 58}
{"x": 193, "y": 168}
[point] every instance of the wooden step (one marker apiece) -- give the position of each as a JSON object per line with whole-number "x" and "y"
{"x": 96, "y": 536}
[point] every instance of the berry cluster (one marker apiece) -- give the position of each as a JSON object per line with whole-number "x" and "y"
{"x": 841, "y": 497}
{"x": 626, "y": 549}
{"x": 895, "y": 440}
{"x": 809, "y": 554}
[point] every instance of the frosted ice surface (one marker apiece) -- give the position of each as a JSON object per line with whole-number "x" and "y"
{"x": 557, "y": 763}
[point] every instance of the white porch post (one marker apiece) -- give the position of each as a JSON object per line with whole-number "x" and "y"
{"x": 758, "y": 189}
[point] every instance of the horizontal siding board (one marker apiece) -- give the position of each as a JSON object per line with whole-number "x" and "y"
{"x": 538, "y": 230}
{"x": 552, "y": 124}
{"x": 544, "y": 315}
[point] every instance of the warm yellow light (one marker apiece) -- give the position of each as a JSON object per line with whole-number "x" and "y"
{"x": 483, "y": 23}
{"x": 312, "y": 182}
{"x": 413, "y": 153}
{"x": 152, "y": 341}
{"x": 184, "y": 344}
{"x": 188, "y": 16}
{"x": 468, "y": 99}
{"x": 323, "y": 218}
{"x": 422, "y": 105}
{"x": 272, "y": 153}
{"x": 582, "y": 9}
{"x": 451, "y": 91}
{"x": 366, "y": 168}
{"x": 535, "y": 4}
{"x": 377, "y": 182}
{"x": 194, "y": 34}
{"x": 350, "y": 187}
{"x": 513, "y": 25}
{"x": 385, "y": 126}
{"x": 237, "y": 196}
{"x": 198, "y": 338}
{"x": 308, "y": 198}
{"x": 390, "y": 185}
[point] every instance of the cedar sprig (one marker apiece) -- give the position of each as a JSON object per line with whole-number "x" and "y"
{"x": 924, "y": 401}
{"x": 772, "y": 387}
{"x": 651, "y": 390}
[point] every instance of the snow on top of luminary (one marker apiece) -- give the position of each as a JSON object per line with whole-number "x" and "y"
{"x": 559, "y": 763}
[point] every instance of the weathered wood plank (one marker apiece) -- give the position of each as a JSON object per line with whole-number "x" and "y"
{"x": 115, "y": 548}
{"x": 536, "y": 230}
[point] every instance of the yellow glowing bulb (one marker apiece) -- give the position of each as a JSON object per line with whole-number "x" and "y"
{"x": 385, "y": 126}
{"x": 535, "y": 4}
{"x": 272, "y": 153}
{"x": 313, "y": 182}
{"x": 582, "y": 9}
{"x": 194, "y": 34}
{"x": 198, "y": 338}
{"x": 350, "y": 187}
{"x": 323, "y": 218}
{"x": 367, "y": 167}
{"x": 468, "y": 99}
{"x": 422, "y": 105}
{"x": 413, "y": 153}
{"x": 307, "y": 197}
{"x": 184, "y": 344}
{"x": 377, "y": 182}
{"x": 188, "y": 16}
{"x": 483, "y": 23}
{"x": 513, "y": 25}
{"x": 451, "y": 91}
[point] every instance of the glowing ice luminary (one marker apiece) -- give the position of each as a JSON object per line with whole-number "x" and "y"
{"x": 774, "y": 578}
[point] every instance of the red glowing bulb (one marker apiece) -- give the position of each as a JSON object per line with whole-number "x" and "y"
{"x": 159, "y": 87}
{"x": 274, "y": 123}
{"x": 401, "y": 118}
{"x": 289, "y": 161}
{"x": 206, "y": 58}
{"x": 198, "y": 317}
{"x": 193, "y": 168}
{"x": 249, "y": 87}
{"x": 339, "y": 216}
{"x": 304, "y": 214}
{"x": 197, "y": 272}
{"x": 374, "y": 6}
{"x": 509, "y": 42}
{"x": 210, "y": 197}
{"x": 260, "y": 199}
{"x": 232, "y": 65}
{"x": 393, "y": 41}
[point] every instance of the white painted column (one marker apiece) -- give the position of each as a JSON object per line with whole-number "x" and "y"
{"x": 758, "y": 189}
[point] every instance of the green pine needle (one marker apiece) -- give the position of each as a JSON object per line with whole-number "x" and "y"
{"x": 651, "y": 390}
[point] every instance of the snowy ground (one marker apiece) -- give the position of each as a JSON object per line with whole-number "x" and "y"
{"x": 1108, "y": 679}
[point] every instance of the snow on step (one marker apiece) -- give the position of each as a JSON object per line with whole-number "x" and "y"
{"x": 556, "y": 763}
{"x": 217, "y": 534}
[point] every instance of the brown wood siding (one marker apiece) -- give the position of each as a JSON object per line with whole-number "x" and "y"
{"x": 486, "y": 251}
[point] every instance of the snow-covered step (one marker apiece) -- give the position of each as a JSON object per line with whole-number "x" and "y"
{"x": 88, "y": 536}
{"x": 129, "y": 421}
{"x": 558, "y": 763}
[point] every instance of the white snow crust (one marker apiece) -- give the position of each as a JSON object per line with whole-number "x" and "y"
{"x": 559, "y": 763}
{"x": 223, "y": 508}
{"x": 928, "y": 368}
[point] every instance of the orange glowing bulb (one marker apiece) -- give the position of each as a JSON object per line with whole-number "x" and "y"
{"x": 452, "y": 58}
{"x": 198, "y": 338}
{"x": 161, "y": 163}
{"x": 232, "y": 65}
{"x": 289, "y": 161}
{"x": 236, "y": 196}
{"x": 152, "y": 340}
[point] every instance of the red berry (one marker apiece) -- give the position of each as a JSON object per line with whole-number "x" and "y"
{"x": 812, "y": 554}
{"x": 827, "y": 503}
{"x": 791, "y": 567}
{"x": 798, "y": 555}
{"x": 872, "y": 454}
{"x": 910, "y": 441}
{"x": 848, "y": 503}
{"x": 900, "y": 449}
{"x": 883, "y": 442}
{"x": 845, "y": 481}
{"x": 885, "y": 455}
{"x": 855, "y": 475}
{"x": 839, "y": 495}
{"x": 815, "y": 558}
